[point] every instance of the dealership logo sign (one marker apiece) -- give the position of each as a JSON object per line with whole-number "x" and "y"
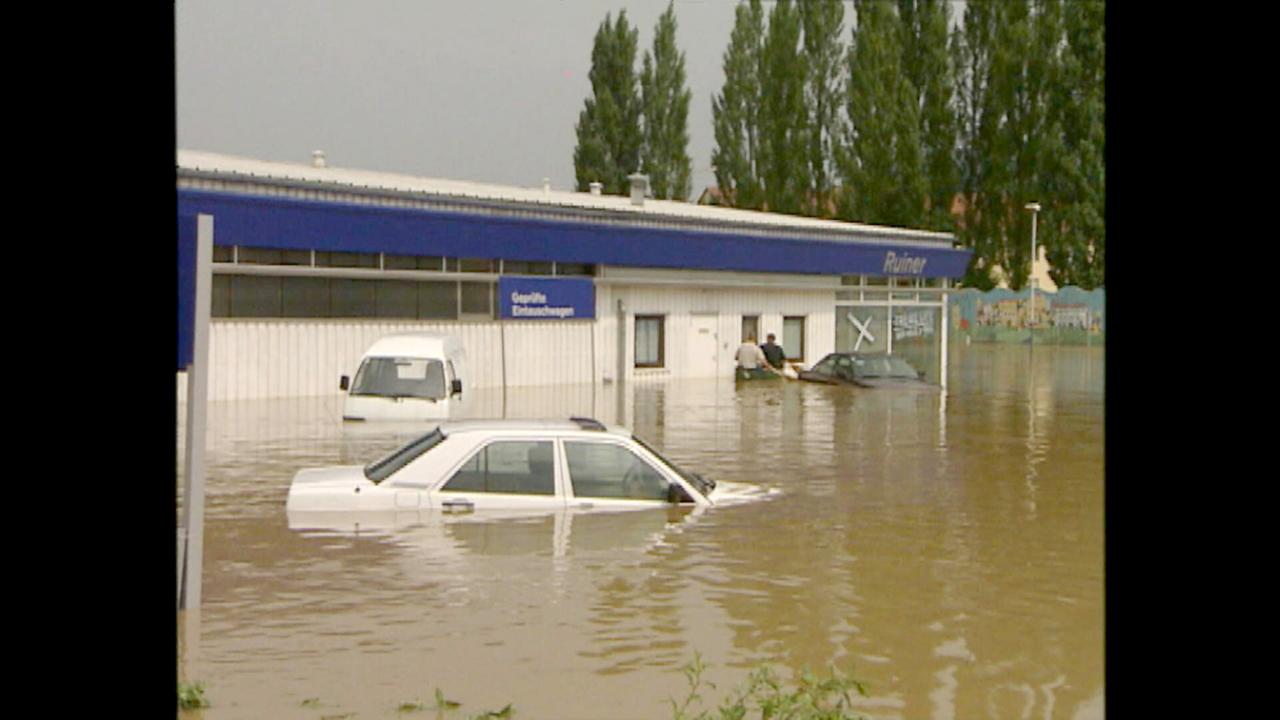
{"x": 904, "y": 264}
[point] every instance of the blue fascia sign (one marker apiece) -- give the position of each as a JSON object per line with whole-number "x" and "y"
{"x": 525, "y": 298}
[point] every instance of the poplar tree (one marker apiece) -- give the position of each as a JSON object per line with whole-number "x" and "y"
{"x": 972, "y": 51}
{"x": 736, "y": 157}
{"x": 882, "y": 162}
{"x": 782, "y": 113}
{"x": 823, "y": 23}
{"x": 926, "y": 62}
{"x": 1023, "y": 69}
{"x": 609, "y": 133}
{"x": 666, "y": 113}
{"x": 1079, "y": 255}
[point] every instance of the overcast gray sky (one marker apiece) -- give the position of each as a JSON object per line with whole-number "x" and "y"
{"x": 481, "y": 90}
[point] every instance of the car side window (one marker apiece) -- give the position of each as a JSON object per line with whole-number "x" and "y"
{"x": 605, "y": 470}
{"x": 512, "y": 467}
{"x": 844, "y": 367}
{"x": 826, "y": 365}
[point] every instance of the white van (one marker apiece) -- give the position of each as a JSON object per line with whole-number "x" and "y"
{"x": 407, "y": 376}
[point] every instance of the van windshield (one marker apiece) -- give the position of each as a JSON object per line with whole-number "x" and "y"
{"x": 400, "y": 377}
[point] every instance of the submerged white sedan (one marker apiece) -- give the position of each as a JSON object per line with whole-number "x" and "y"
{"x": 473, "y": 465}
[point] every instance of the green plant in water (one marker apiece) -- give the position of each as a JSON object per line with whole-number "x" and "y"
{"x": 813, "y": 698}
{"x": 191, "y": 696}
{"x": 502, "y": 714}
{"x": 443, "y": 704}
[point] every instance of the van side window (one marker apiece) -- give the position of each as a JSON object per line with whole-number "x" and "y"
{"x": 604, "y": 470}
{"x": 510, "y": 467}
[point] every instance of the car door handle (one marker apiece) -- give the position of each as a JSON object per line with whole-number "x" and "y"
{"x": 458, "y": 505}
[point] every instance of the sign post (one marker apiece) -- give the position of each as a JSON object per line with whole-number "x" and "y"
{"x": 195, "y": 288}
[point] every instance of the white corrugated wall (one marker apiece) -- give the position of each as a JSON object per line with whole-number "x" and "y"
{"x": 258, "y": 359}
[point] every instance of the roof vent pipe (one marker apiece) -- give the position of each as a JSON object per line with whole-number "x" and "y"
{"x": 639, "y": 188}
{"x": 546, "y": 185}
{"x": 317, "y": 159}
{"x": 596, "y": 188}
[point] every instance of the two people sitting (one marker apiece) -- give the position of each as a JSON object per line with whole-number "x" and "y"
{"x": 761, "y": 360}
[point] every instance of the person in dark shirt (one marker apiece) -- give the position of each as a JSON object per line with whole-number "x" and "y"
{"x": 773, "y": 352}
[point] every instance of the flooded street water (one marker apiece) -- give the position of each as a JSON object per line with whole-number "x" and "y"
{"x": 945, "y": 550}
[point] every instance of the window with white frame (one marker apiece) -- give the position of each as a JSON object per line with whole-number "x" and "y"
{"x": 649, "y": 341}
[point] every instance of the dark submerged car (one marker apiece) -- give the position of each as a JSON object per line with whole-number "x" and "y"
{"x": 865, "y": 370}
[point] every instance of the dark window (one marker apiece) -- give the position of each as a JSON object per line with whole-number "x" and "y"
{"x": 346, "y": 259}
{"x": 477, "y": 265}
{"x": 255, "y": 296}
{"x": 649, "y": 340}
{"x": 515, "y": 267}
{"x": 604, "y": 470}
{"x": 220, "y": 300}
{"x": 305, "y": 297}
{"x": 397, "y": 299}
{"x": 512, "y": 467}
{"x": 352, "y": 298}
{"x": 477, "y": 299}
{"x": 403, "y": 262}
{"x": 223, "y": 253}
{"x": 793, "y": 337}
{"x": 438, "y": 300}
{"x": 258, "y": 256}
{"x": 575, "y": 269}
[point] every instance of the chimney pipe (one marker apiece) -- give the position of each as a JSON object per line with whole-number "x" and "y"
{"x": 317, "y": 159}
{"x": 596, "y": 188}
{"x": 639, "y": 188}
{"x": 546, "y": 185}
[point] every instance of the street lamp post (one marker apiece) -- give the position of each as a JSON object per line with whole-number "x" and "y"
{"x": 1034, "y": 207}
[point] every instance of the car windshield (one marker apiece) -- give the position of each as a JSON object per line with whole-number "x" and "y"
{"x": 383, "y": 468}
{"x": 701, "y": 484}
{"x": 883, "y": 366}
{"x": 400, "y": 377}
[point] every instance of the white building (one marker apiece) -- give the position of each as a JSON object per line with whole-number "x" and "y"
{"x": 313, "y": 263}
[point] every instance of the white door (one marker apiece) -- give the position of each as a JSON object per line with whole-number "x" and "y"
{"x": 704, "y": 342}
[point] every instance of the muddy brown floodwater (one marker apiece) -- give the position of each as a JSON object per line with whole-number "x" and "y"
{"x": 945, "y": 550}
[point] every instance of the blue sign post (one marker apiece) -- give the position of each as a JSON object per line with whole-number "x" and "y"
{"x": 526, "y": 298}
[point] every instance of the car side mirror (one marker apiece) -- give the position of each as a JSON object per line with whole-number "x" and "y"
{"x": 344, "y": 382}
{"x": 456, "y": 387}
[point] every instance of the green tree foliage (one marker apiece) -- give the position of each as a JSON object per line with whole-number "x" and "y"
{"x": 666, "y": 113}
{"x": 822, "y": 22}
{"x": 882, "y": 161}
{"x": 735, "y": 112}
{"x": 972, "y": 50}
{"x": 1077, "y": 255}
{"x": 609, "y": 133}
{"x": 782, "y": 113}
{"x": 927, "y": 65}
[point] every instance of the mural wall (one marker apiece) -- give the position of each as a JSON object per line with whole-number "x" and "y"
{"x": 1070, "y": 316}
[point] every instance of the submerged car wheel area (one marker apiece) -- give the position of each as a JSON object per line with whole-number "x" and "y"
{"x": 467, "y": 466}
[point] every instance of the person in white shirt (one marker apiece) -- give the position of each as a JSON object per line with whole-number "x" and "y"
{"x": 751, "y": 360}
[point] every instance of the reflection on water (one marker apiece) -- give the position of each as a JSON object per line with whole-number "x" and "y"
{"x": 947, "y": 548}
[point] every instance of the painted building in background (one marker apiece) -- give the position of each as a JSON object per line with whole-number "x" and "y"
{"x": 1069, "y": 316}
{"x": 313, "y": 263}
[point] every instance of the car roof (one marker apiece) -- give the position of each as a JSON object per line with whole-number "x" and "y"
{"x": 540, "y": 425}
{"x": 412, "y": 344}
